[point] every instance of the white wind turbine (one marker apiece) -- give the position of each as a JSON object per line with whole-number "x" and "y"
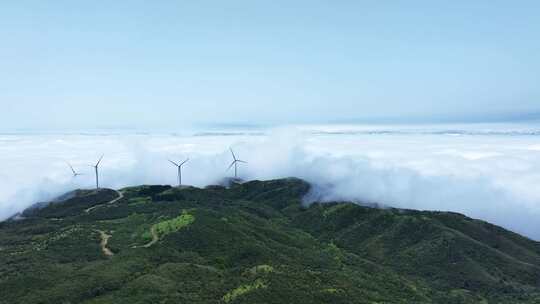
{"x": 96, "y": 167}
{"x": 75, "y": 173}
{"x": 179, "y": 166}
{"x": 235, "y": 164}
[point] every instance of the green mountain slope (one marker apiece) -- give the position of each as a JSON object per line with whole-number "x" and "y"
{"x": 256, "y": 243}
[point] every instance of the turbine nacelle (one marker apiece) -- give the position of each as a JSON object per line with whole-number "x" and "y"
{"x": 235, "y": 163}
{"x": 179, "y": 166}
{"x": 99, "y": 161}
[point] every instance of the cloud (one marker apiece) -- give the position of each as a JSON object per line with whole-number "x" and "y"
{"x": 490, "y": 177}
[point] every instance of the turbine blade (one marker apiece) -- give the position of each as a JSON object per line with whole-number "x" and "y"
{"x": 71, "y": 167}
{"x": 232, "y": 164}
{"x": 174, "y": 163}
{"x": 99, "y": 161}
{"x": 233, "y": 156}
{"x": 241, "y": 161}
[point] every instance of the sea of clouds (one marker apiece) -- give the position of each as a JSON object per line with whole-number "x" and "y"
{"x": 486, "y": 172}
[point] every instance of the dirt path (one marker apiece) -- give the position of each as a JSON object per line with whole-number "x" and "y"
{"x": 120, "y": 196}
{"x": 104, "y": 240}
{"x": 154, "y": 240}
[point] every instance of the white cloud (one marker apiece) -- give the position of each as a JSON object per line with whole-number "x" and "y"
{"x": 491, "y": 177}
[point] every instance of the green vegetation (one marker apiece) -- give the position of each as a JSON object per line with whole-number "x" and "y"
{"x": 175, "y": 224}
{"x": 256, "y": 243}
{"x": 260, "y": 269}
{"x": 244, "y": 289}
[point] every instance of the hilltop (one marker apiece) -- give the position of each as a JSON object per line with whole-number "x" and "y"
{"x": 256, "y": 243}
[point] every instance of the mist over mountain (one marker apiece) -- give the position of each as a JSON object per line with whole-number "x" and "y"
{"x": 332, "y": 152}
{"x": 487, "y": 171}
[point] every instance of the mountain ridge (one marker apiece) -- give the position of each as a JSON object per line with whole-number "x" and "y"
{"x": 257, "y": 242}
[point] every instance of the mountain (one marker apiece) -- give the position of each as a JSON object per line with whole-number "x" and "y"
{"x": 256, "y": 242}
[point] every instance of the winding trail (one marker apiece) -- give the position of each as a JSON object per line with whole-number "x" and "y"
{"x": 104, "y": 240}
{"x": 120, "y": 196}
{"x": 155, "y": 238}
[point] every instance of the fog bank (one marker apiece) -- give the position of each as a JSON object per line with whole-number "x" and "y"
{"x": 492, "y": 176}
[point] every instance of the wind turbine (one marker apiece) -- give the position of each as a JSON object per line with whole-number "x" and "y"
{"x": 235, "y": 164}
{"x": 179, "y": 170}
{"x": 75, "y": 173}
{"x": 97, "y": 174}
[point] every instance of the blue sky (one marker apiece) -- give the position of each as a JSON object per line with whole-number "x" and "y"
{"x": 150, "y": 64}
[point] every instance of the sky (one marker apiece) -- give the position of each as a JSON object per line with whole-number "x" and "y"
{"x": 68, "y": 65}
{"x": 300, "y": 76}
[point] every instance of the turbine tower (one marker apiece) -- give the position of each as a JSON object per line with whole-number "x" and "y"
{"x": 75, "y": 173}
{"x": 97, "y": 173}
{"x": 235, "y": 164}
{"x": 179, "y": 166}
